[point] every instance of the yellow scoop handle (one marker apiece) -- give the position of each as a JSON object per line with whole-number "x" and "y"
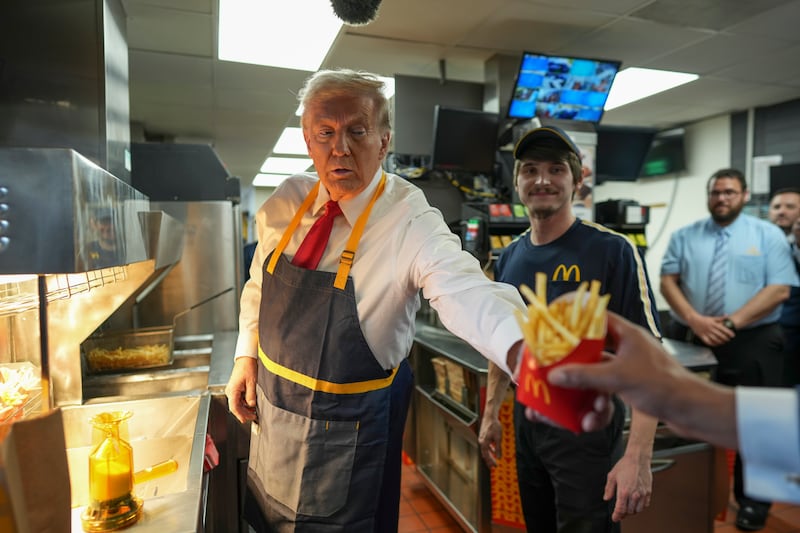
{"x": 157, "y": 470}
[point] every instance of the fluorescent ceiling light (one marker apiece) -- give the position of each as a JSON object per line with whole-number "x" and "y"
{"x": 285, "y": 165}
{"x": 267, "y": 32}
{"x": 291, "y": 141}
{"x": 636, "y": 83}
{"x": 388, "y": 92}
{"x": 269, "y": 180}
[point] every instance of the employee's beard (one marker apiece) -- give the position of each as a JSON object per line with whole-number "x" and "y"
{"x": 543, "y": 213}
{"x": 727, "y": 218}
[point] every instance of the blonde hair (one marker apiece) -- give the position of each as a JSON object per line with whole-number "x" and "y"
{"x": 326, "y": 83}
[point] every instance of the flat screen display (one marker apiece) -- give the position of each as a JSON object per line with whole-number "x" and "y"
{"x": 666, "y": 154}
{"x": 621, "y": 152}
{"x": 464, "y": 140}
{"x": 561, "y": 87}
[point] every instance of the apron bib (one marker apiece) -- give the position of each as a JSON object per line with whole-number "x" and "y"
{"x": 317, "y": 453}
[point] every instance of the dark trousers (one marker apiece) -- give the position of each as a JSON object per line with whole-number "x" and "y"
{"x": 753, "y": 358}
{"x": 791, "y": 353}
{"x": 562, "y": 476}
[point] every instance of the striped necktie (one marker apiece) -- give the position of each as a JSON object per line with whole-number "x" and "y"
{"x": 715, "y": 297}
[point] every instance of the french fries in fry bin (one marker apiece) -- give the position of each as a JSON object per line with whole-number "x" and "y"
{"x": 571, "y": 329}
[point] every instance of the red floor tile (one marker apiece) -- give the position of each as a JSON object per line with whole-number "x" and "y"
{"x": 411, "y": 523}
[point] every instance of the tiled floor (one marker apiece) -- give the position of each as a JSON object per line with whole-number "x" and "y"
{"x": 419, "y": 508}
{"x": 420, "y": 511}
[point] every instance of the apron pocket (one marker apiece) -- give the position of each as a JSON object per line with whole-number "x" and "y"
{"x": 329, "y": 465}
{"x": 305, "y": 464}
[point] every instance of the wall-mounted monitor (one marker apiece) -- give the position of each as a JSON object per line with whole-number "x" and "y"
{"x": 561, "y": 87}
{"x": 621, "y": 152}
{"x": 666, "y": 154}
{"x": 414, "y": 101}
{"x": 464, "y": 140}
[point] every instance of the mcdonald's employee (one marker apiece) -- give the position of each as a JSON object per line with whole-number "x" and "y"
{"x": 320, "y": 363}
{"x": 569, "y": 482}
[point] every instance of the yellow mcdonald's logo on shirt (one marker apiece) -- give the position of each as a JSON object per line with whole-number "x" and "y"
{"x": 537, "y": 388}
{"x": 566, "y": 272}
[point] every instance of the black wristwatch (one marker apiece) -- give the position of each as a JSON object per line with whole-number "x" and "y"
{"x": 728, "y": 323}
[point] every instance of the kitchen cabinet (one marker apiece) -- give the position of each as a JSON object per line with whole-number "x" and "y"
{"x": 446, "y": 418}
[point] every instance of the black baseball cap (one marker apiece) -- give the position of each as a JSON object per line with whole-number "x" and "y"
{"x": 545, "y": 132}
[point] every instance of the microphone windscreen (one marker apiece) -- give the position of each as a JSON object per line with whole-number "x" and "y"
{"x": 356, "y": 12}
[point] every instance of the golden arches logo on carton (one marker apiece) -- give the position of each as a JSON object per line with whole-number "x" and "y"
{"x": 566, "y": 272}
{"x": 537, "y": 388}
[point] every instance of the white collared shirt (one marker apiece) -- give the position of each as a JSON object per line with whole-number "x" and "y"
{"x": 406, "y": 246}
{"x": 769, "y": 442}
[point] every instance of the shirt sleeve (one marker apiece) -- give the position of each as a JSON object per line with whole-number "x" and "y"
{"x": 671, "y": 261}
{"x": 633, "y": 285}
{"x": 250, "y": 301}
{"x": 769, "y": 442}
{"x": 470, "y": 305}
{"x": 780, "y": 264}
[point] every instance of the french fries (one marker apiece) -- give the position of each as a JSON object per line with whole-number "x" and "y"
{"x": 552, "y": 331}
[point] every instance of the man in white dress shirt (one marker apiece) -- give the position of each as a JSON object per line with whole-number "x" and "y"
{"x": 320, "y": 363}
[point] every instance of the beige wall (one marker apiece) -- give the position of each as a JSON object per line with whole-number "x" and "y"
{"x": 707, "y": 150}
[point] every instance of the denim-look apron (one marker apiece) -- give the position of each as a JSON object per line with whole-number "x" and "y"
{"x": 318, "y": 451}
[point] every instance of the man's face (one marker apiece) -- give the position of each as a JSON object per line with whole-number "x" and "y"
{"x": 725, "y": 200}
{"x": 545, "y": 187}
{"x": 345, "y": 143}
{"x": 784, "y": 210}
{"x": 104, "y": 227}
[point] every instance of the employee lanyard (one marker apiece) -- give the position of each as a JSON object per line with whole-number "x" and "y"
{"x": 349, "y": 253}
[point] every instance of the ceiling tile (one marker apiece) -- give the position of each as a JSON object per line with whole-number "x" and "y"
{"x": 387, "y": 57}
{"x": 169, "y": 30}
{"x": 714, "y": 53}
{"x": 153, "y": 67}
{"x": 783, "y": 65}
{"x": 166, "y": 94}
{"x": 778, "y": 23}
{"x": 634, "y": 42}
{"x": 422, "y": 22}
{"x": 710, "y": 14}
{"x": 198, "y": 6}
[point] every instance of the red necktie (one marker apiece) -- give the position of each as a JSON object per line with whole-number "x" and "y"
{"x": 310, "y": 251}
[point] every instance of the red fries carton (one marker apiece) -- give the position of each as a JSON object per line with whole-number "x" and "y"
{"x": 570, "y": 329}
{"x": 565, "y": 407}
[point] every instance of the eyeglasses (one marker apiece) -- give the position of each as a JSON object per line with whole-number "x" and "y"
{"x": 727, "y": 193}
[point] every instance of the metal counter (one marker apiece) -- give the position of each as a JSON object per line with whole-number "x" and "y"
{"x": 198, "y": 506}
{"x": 221, "y": 359}
{"x": 179, "y": 512}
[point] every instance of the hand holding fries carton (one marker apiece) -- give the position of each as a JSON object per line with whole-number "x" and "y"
{"x": 571, "y": 329}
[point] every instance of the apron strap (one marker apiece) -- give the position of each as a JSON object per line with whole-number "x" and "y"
{"x": 349, "y": 253}
{"x": 305, "y": 206}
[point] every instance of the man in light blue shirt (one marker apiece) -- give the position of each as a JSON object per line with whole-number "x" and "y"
{"x": 725, "y": 279}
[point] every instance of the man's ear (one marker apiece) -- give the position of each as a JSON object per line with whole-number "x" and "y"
{"x": 385, "y": 138}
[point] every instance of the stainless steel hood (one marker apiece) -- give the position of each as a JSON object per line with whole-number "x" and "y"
{"x": 61, "y": 213}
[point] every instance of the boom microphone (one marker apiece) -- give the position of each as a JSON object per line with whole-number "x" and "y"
{"x": 356, "y": 12}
